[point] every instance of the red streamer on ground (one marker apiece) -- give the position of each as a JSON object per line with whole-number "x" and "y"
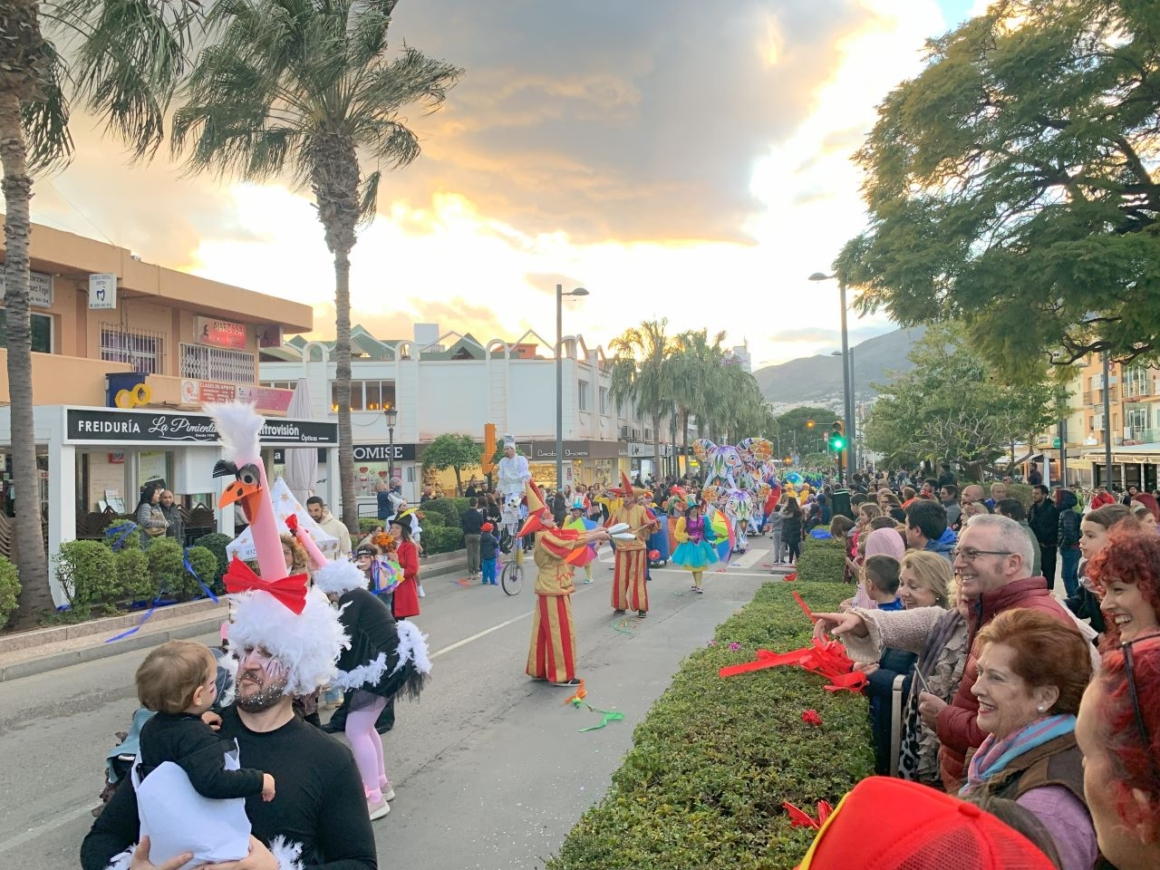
{"x": 811, "y": 717}
{"x": 824, "y": 657}
{"x": 789, "y": 578}
{"x": 801, "y": 819}
{"x": 805, "y": 607}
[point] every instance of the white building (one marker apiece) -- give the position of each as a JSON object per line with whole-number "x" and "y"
{"x": 454, "y": 383}
{"x": 740, "y": 356}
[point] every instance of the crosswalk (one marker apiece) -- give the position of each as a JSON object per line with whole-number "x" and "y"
{"x": 752, "y": 563}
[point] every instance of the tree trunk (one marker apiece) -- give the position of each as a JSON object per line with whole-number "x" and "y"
{"x": 685, "y": 440}
{"x": 35, "y": 593}
{"x": 458, "y": 482}
{"x": 656, "y": 421}
{"x": 335, "y": 181}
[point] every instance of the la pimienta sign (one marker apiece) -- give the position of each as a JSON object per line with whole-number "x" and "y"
{"x": 89, "y": 425}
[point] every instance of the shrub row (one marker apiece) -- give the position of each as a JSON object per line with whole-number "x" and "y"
{"x": 450, "y": 510}
{"x": 821, "y": 561}
{"x": 442, "y": 539}
{"x": 714, "y": 760}
{"x": 94, "y": 577}
{"x": 9, "y": 590}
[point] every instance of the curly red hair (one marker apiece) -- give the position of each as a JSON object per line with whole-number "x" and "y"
{"x": 1131, "y": 556}
{"x": 1134, "y": 762}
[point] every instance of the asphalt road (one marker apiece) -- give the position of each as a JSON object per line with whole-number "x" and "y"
{"x": 490, "y": 768}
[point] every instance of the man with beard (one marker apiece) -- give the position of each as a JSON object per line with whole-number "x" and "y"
{"x": 286, "y": 640}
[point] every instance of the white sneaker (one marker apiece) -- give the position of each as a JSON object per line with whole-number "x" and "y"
{"x": 388, "y": 792}
{"x": 378, "y": 810}
{"x": 422, "y": 594}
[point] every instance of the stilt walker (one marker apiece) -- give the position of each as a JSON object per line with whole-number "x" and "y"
{"x": 552, "y": 653}
{"x": 629, "y": 589}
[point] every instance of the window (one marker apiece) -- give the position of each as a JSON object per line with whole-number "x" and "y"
{"x": 582, "y": 395}
{"x": 218, "y": 364}
{"x": 280, "y": 385}
{"x": 1137, "y": 419}
{"x": 41, "y": 332}
{"x": 366, "y": 395}
{"x": 1137, "y": 381}
{"x": 604, "y": 400}
{"x": 142, "y": 349}
{"x": 1097, "y": 423}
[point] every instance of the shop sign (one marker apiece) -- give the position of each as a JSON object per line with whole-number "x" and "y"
{"x": 220, "y": 333}
{"x": 39, "y": 290}
{"x": 105, "y": 426}
{"x": 382, "y": 453}
{"x": 269, "y": 335}
{"x": 545, "y": 451}
{"x": 195, "y": 392}
{"x": 102, "y": 290}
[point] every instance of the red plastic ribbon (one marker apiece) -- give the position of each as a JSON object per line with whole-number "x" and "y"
{"x": 811, "y": 717}
{"x": 825, "y": 657}
{"x": 801, "y": 819}
{"x": 290, "y": 591}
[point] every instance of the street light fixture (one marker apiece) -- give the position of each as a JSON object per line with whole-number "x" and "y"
{"x": 846, "y": 368}
{"x": 560, "y": 294}
{"x": 392, "y": 416}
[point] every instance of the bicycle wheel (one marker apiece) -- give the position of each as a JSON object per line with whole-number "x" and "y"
{"x": 513, "y": 578}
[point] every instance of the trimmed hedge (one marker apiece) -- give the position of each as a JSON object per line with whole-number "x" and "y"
{"x": 216, "y": 543}
{"x": 450, "y": 509}
{"x": 822, "y": 561}
{"x": 442, "y": 539}
{"x": 715, "y": 758}
{"x": 9, "y": 590}
{"x": 366, "y": 525}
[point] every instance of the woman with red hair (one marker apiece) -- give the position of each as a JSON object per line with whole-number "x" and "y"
{"x": 1118, "y": 731}
{"x": 1146, "y": 509}
{"x": 1125, "y": 575}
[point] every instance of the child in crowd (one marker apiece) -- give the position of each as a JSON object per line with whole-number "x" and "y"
{"x": 177, "y": 681}
{"x": 488, "y": 553}
{"x": 773, "y": 523}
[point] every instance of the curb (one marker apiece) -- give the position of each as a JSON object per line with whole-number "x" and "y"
{"x": 210, "y": 623}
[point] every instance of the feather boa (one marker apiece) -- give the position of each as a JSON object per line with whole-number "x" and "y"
{"x": 287, "y": 854}
{"x": 412, "y": 648}
{"x": 364, "y": 675}
{"x": 339, "y": 577}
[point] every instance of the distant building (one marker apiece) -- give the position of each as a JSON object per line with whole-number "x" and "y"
{"x": 740, "y": 356}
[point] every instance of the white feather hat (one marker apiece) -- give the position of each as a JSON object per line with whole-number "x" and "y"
{"x": 308, "y": 644}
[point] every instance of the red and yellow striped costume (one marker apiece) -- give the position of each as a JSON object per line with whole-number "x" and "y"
{"x": 552, "y": 654}
{"x": 629, "y": 590}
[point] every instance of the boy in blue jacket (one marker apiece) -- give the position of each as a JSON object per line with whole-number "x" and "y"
{"x": 488, "y": 553}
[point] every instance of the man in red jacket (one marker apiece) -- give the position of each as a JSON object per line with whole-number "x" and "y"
{"x": 993, "y": 562}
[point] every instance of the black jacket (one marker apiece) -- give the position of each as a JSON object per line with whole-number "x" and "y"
{"x": 488, "y": 546}
{"x": 1044, "y": 521}
{"x": 472, "y": 522}
{"x": 1069, "y": 520}
{"x": 191, "y": 744}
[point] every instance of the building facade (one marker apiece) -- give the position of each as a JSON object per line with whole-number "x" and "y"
{"x": 124, "y": 355}
{"x": 456, "y": 384}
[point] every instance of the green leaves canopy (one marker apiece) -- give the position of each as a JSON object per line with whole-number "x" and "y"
{"x": 953, "y": 406}
{"x": 1012, "y": 185}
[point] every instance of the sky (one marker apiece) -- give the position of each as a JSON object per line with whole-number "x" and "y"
{"x": 677, "y": 158}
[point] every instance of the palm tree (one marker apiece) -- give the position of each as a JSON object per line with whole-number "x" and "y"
{"x": 305, "y": 89}
{"x": 127, "y": 58}
{"x": 696, "y": 363}
{"x": 643, "y": 373}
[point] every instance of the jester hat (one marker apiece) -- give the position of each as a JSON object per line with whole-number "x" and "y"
{"x": 536, "y": 511}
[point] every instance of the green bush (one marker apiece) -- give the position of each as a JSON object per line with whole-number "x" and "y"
{"x": 133, "y": 575}
{"x": 446, "y": 508}
{"x": 1021, "y": 491}
{"x": 168, "y": 569}
{"x": 216, "y": 543}
{"x": 87, "y": 572}
{"x": 432, "y": 518}
{"x": 442, "y": 539}
{"x": 821, "y": 561}
{"x": 715, "y": 758}
{"x": 205, "y": 563}
{"x": 9, "y": 590}
{"x": 366, "y": 525}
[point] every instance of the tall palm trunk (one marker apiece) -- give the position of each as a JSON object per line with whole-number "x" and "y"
{"x": 685, "y": 439}
{"x": 335, "y": 183}
{"x": 656, "y": 421}
{"x": 35, "y": 595}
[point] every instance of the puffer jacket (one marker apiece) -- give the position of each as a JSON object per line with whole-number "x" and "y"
{"x": 1069, "y": 520}
{"x": 957, "y": 729}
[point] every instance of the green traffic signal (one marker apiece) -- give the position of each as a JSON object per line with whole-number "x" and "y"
{"x": 837, "y": 443}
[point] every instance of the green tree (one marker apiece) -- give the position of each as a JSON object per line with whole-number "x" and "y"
{"x": 127, "y": 59}
{"x": 305, "y": 90}
{"x": 643, "y": 374}
{"x": 452, "y": 451}
{"x": 1012, "y": 185}
{"x": 696, "y": 365}
{"x": 955, "y": 406}
{"x": 794, "y": 431}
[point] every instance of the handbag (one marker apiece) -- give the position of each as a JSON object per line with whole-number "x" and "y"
{"x": 156, "y": 531}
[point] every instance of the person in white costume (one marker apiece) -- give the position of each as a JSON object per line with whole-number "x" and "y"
{"x": 514, "y": 475}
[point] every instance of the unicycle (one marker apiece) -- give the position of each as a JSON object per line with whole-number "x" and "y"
{"x": 512, "y": 579}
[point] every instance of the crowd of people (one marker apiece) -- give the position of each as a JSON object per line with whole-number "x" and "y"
{"x": 983, "y": 684}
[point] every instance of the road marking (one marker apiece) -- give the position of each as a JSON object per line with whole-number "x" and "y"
{"x": 478, "y": 635}
{"x": 51, "y": 825}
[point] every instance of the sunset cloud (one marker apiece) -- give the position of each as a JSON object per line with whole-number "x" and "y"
{"x": 679, "y": 159}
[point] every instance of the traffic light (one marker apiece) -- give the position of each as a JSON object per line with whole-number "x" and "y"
{"x": 809, "y": 424}
{"x": 837, "y": 437}
{"x": 489, "y": 447}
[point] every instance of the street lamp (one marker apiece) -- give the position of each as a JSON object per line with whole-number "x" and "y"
{"x": 846, "y": 369}
{"x": 392, "y": 416}
{"x": 560, "y": 294}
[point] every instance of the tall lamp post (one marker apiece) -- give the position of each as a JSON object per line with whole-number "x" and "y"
{"x": 392, "y": 416}
{"x": 560, "y": 294}
{"x": 1108, "y": 423}
{"x": 853, "y": 406}
{"x": 846, "y": 369}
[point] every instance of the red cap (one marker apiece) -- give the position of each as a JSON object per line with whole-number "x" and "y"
{"x": 487, "y": 527}
{"x": 935, "y": 832}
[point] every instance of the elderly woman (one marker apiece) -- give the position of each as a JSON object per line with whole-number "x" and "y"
{"x": 1119, "y": 734}
{"x": 936, "y": 634}
{"x": 1125, "y": 576}
{"x": 150, "y": 517}
{"x": 1032, "y": 672}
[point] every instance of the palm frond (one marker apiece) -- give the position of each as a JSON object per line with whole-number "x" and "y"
{"x": 368, "y": 198}
{"x": 45, "y": 117}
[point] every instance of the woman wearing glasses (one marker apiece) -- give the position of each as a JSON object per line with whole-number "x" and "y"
{"x": 1032, "y": 672}
{"x": 1119, "y": 733}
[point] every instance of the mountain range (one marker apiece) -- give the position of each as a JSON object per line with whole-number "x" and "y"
{"x": 817, "y": 380}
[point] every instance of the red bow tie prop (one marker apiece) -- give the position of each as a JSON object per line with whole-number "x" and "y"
{"x": 290, "y": 591}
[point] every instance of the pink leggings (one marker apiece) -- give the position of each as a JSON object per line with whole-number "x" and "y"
{"x": 367, "y": 746}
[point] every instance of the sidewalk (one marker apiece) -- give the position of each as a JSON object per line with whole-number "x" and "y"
{"x": 25, "y": 654}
